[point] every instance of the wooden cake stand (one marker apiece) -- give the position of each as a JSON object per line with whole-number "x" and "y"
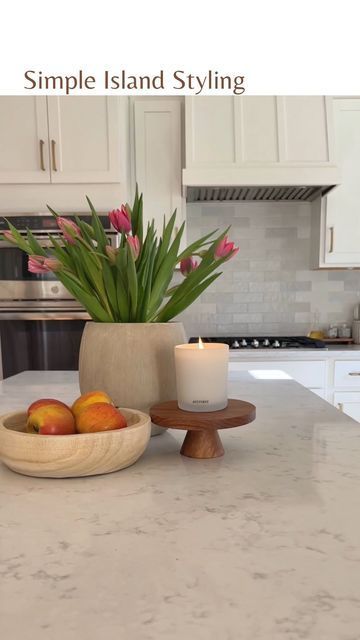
{"x": 202, "y": 439}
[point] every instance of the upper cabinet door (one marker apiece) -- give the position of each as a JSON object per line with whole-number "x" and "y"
{"x": 24, "y": 150}
{"x": 342, "y": 205}
{"x": 157, "y": 132}
{"x": 84, "y": 138}
{"x": 336, "y": 218}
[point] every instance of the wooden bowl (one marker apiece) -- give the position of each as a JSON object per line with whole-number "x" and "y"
{"x": 79, "y": 454}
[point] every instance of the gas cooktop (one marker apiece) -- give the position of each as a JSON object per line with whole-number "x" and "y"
{"x": 261, "y": 342}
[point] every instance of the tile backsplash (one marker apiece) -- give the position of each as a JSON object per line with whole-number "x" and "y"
{"x": 268, "y": 288}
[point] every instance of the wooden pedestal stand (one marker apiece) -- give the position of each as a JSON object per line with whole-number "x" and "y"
{"x": 202, "y": 439}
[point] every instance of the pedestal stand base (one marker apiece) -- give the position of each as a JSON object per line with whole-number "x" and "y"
{"x": 202, "y": 439}
{"x": 202, "y": 444}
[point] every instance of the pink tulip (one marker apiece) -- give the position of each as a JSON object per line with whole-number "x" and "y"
{"x": 111, "y": 253}
{"x": 52, "y": 264}
{"x": 69, "y": 229}
{"x": 120, "y": 219}
{"x": 187, "y": 265}
{"x": 9, "y": 236}
{"x": 36, "y": 264}
{"x": 225, "y": 249}
{"x": 134, "y": 246}
{"x": 41, "y": 264}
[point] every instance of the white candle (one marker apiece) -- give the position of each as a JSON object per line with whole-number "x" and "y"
{"x": 201, "y": 376}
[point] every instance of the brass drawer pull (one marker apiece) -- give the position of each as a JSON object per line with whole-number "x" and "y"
{"x": 42, "y": 163}
{"x": 53, "y": 154}
{"x": 354, "y": 373}
{"x": 331, "y": 249}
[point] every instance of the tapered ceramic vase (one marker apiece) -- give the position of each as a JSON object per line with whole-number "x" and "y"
{"x": 132, "y": 362}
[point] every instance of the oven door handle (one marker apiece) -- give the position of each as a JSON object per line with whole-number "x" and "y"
{"x": 43, "y": 242}
{"x": 44, "y": 315}
{"x": 44, "y": 239}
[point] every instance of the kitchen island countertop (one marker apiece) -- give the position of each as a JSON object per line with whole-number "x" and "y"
{"x": 261, "y": 544}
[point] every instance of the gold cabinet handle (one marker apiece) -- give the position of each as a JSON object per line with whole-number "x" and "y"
{"x": 331, "y": 248}
{"x": 42, "y": 163}
{"x": 354, "y": 373}
{"x": 53, "y": 155}
{"x": 341, "y": 407}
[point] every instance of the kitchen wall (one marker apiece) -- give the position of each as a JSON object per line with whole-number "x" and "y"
{"x": 268, "y": 288}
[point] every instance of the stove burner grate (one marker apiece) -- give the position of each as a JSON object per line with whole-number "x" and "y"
{"x": 263, "y": 342}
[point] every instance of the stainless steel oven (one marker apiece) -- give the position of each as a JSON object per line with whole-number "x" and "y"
{"x": 40, "y": 322}
{"x": 21, "y": 290}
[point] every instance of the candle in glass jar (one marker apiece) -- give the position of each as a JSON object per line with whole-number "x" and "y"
{"x": 201, "y": 376}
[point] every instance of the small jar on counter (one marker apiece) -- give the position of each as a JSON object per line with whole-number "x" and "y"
{"x": 332, "y": 331}
{"x": 344, "y": 331}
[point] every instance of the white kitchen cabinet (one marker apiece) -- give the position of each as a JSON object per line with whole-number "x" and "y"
{"x": 311, "y": 374}
{"x": 24, "y": 150}
{"x": 334, "y": 377}
{"x": 157, "y": 135}
{"x": 336, "y": 219}
{"x": 60, "y": 140}
{"x": 84, "y": 139}
{"x": 347, "y": 373}
{"x": 259, "y": 140}
{"x": 348, "y": 402}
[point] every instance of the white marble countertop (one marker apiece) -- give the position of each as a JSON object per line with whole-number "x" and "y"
{"x": 262, "y": 544}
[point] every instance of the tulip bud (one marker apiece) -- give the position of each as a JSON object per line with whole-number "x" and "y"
{"x": 120, "y": 219}
{"x": 225, "y": 249}
{"x": 187, "y": 265}
{"x": 134, "y": 246}
{"x": 69, "y": 229}
{"x": 8, "y": 235}
{"x": 36, "y": 264}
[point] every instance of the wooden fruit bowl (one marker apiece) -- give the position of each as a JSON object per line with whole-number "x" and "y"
{"x": 70, "y": 456}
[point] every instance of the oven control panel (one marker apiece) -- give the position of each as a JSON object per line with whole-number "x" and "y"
{"x": 45, "y": 223}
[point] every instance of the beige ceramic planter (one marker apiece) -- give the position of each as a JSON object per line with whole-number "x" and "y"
{"x": 132, "y": 362}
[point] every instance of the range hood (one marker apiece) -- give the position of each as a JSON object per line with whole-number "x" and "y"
{"x": 264, "y": 193}
{"x": 265, "y": 148}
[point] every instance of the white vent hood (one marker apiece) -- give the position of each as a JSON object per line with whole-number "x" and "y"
{"x": 272, "y": 148}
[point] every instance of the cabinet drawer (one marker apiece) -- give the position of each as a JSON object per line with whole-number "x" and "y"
{"x": 347, "y": 373}
{"x": 311, "y": 374}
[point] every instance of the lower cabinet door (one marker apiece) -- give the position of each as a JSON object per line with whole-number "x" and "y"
{"x": 348, "y": 402}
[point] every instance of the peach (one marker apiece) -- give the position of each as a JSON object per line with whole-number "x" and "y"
{"x": 51, "y": 419}
{"x": 88, "y": 399}
{"x": 43, "y": 402}
{"x": 99, "y": 416}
